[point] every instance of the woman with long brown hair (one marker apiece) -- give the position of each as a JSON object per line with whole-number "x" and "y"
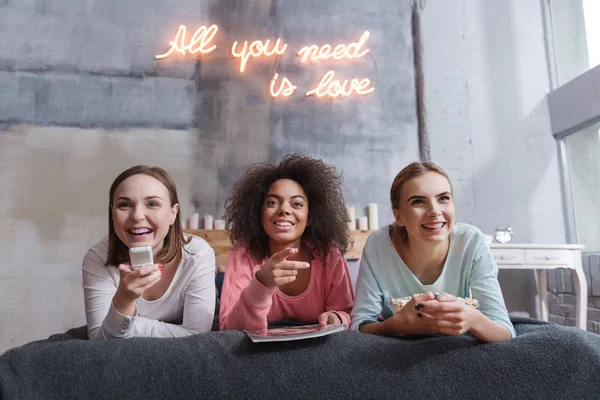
{"x": 174, "y": 297}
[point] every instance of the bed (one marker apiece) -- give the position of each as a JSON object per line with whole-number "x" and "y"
{"x": 545, "y": 361}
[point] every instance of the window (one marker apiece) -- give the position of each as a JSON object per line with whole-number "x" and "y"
{"x": 583, "y": 153}
{"x": 573, "y": 31}
{"x": 575, "y": 26}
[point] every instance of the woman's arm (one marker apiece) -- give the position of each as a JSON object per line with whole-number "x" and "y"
{"x": 408, "y": 321}
{"x": 449, "y": 315}
{"x": 490, "y": 331}
{"x": 199, "y": 303}
{"x": 99, "y": 288}
{"x": 105, "y": 322}
{"x": 339, "y": 295}
{"x": 245, "y": 302}
{"x": 486, "y": 289}
{"x": 368, "y": 302}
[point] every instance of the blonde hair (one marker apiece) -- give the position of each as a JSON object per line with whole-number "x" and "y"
{"x": 409, "y": 172}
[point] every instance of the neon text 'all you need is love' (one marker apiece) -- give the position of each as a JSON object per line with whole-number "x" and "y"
{"x": 201, "y": 43}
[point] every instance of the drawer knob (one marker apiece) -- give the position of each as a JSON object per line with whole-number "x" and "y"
{"x": 545, "y": 257}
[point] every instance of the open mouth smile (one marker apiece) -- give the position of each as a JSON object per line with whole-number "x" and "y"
{"x": 434, "y": 226}
{"x": 283, "y": 225}
{"x": 138, "y": 232}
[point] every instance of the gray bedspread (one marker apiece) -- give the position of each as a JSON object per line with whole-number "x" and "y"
{"x": 545, "y": 361}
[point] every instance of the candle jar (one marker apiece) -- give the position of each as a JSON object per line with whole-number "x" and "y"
{"x": 363, "y": 224}
{"x": 219, "y": 224}
{"x": 208, "y": 222}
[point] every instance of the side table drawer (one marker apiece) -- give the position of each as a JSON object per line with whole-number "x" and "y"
{"x": 509, "y": 256}
{"x": 549, "y": 256}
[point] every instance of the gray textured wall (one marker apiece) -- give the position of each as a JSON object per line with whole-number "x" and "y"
{"x": 486, "y": 81}
{"x": 562, "y": 298}
{"x": 82, "y": 98}
{"x": 91, "y": 64}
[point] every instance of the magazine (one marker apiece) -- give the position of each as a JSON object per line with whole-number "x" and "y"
{"x": 294, "y": 333}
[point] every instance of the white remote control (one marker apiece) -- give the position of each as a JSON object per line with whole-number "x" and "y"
{"x": 140, "y": 256}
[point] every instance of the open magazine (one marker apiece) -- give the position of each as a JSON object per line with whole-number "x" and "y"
{"x": 294, "y": 333}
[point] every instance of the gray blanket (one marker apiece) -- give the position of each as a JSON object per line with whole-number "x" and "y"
{"x": 545, "y": 361}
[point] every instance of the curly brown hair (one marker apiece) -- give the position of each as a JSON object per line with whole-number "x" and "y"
{"x": 327, "y": 219}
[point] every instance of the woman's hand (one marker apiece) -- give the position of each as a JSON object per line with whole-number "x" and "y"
{"x": 431, "y": 313}
{"x": 132, "y": 284}
{"x": 449, "y": 315}
{"x": 410, "y": 320}
{"x": 330, "y": 318}
{"x": 278, "y": 270}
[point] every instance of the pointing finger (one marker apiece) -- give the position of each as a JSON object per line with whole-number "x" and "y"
{"x": 284, "y": 254}
{"x": 292, "y": 265}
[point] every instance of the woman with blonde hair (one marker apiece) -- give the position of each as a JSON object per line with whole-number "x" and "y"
{"x": 436, "y": 265}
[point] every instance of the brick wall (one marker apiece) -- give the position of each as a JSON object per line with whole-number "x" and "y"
{"x": 561, "y": 294}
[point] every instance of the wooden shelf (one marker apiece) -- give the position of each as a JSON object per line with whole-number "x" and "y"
{"x": 221, "y": 244}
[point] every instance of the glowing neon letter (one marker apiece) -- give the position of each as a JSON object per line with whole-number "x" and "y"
{"x": 353, "y": 48}
{"x": 200, "y": 39}
{"x": 256, "y": 49}
{"x": 315, "y": 53}
{"x": 333, "y": 88}
{"x": 286, "y": 88}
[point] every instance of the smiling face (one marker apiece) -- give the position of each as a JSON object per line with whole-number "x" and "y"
{"x": 142, "y": 212}
{"x": 285, "y": 213}
{"x": 426, "y": 208}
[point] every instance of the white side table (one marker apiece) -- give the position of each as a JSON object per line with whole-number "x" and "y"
{"x": 542, "y": 257}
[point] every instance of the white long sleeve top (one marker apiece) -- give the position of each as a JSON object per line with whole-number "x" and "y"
{"x": 186, "y": 308}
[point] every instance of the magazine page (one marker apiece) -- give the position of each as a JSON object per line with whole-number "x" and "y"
{"x": 294, "y": 333}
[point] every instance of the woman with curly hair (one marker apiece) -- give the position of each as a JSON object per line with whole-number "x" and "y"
{"x": 288, "y": 226}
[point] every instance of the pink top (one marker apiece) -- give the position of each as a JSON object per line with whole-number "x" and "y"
{"x": 246, "y": 304}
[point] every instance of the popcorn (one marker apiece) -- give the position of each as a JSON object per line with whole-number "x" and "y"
{"x": 397, "y": 303}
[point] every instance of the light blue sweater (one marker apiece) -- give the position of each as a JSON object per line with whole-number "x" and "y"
{"x": 469, "y": 271}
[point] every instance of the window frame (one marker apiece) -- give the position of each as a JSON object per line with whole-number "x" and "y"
{"x": 572, "y": 107}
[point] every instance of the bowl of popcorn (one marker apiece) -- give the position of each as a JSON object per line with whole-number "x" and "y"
{"x": 397, "y": 303}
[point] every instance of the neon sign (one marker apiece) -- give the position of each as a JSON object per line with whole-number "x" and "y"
{"x": 201, "y": 43}
{"x": 286, "y": 88}
{"x": 197, "y": 44}
{"x": 334, "y": 88}
{"x": 315, "y": 53}
{"x": 257, "y": 48}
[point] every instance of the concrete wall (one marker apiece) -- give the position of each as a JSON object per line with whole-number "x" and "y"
{"x": 88, "y": 65}
{"x": 82, "y": 98}
{"x": 486, "y": 80}
{"x": 54, "y": 189}
{"x": 368, "y": 138}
